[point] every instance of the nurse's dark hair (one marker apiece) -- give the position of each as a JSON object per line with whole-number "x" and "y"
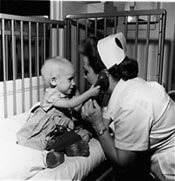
{"x": 88, "y": 48}
{"x": 127, "y": 69}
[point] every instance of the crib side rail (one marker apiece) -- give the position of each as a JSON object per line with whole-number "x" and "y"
{"x": 144, "y": 31}
{"x": 25, "y": 43}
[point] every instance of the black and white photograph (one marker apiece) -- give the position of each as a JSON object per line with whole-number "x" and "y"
{"x": 87, "y": 90}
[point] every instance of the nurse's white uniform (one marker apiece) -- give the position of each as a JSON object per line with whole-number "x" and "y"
{"x": 144, "y": 119}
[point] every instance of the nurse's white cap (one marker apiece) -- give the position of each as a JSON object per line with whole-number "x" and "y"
{"x": 110, "y": 52}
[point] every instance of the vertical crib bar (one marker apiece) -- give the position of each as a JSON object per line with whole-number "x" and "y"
{"x": 77, "y": 55}
{"x": 4, "y": 70}
{"x": 86, "y": 27}
{"x": 161, "y": 45}
{"x": 159, "y": 76}
{"x": 37, "y": 61}
{"x": 163, "y": 26}
{"x": 30, "y": 62}
{"x": 44, "y": 41}
{"x": 86, "y": 36}
{"x": 53, "y": 41}
{"x": 105, "y": 27}
{"x": 59, "y": 41}
{"x": 147, "y": 48}
{"x": 77, "y": 32}
{"x": 68, "y": 39}
{"x": 136, "y": 37}
{"x": 6, "y": 56}
{"x": 115, "y": 24}
{"x": 50, "y": 39}
{"x": 125, "y": 27}
{"x": 14, "y": 66}
{"x": 95, "y": 26}
{"x": 22, "y": 65}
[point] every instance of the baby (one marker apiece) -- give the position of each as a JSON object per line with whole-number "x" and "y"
{"x": 58, "y": 76}
{"x": 55, "y": 108}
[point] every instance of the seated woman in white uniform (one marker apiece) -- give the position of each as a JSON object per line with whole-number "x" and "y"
{"x": 141, "y": 114}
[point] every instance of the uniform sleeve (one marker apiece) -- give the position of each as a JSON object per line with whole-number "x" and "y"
{"x": 50, "y": 98}
{"x": 132, "y": 125}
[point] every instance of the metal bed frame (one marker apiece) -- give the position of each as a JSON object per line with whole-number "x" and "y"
{"x": 146, "y": 30}
{"x": 25, "y": 42}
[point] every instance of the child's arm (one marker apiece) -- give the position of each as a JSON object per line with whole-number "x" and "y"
{"x": 75, "y": 101}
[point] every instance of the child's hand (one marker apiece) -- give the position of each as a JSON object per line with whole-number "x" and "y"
{"x": 85, "y": 135}
{"x": 94, "y": 91}
{"x": 65, "y": 122}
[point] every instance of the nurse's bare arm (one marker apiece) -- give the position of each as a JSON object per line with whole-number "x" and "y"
{"x": 121, "y": 159}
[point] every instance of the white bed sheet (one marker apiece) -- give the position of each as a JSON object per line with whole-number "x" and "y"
{"x": 19, "y": 162}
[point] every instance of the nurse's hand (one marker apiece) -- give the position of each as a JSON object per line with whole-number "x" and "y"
{"x": 92, "y": 112}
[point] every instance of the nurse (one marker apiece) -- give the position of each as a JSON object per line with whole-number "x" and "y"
{"x": 140, "y": 113}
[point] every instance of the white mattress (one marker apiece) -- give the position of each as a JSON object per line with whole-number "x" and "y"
{"x": 19, "y": 162}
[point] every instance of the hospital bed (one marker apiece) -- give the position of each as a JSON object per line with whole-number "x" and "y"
{"x": 25, "y": 43}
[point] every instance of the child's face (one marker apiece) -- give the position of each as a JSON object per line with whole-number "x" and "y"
{"x": 65, "y": 82}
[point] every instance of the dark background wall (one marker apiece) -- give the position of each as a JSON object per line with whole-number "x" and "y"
{"x": 25, "y": 8}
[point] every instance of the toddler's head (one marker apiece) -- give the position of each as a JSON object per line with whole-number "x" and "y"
{"x": 58, "y": 72}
